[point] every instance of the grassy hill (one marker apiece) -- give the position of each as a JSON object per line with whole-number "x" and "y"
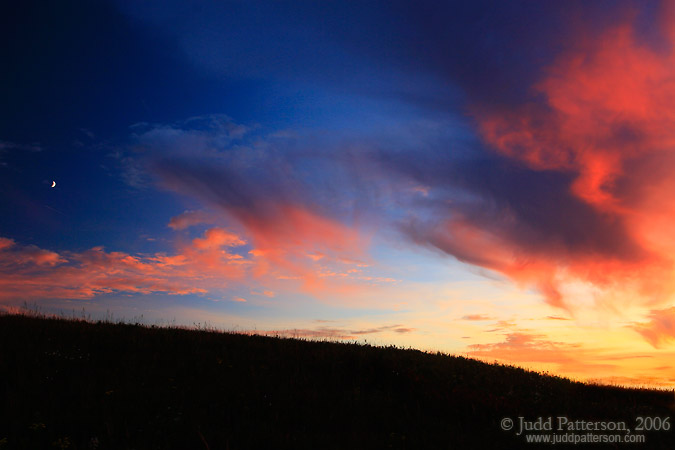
{"x": 80, "y": 385}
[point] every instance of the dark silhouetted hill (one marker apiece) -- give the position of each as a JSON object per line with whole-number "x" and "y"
{"x": 82, "y": 385}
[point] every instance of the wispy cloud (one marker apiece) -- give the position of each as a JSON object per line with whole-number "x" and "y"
{"x": 571, "y": 184}
{"x": 246, "y": 181}
{"x": 189, "y": 219}
{"x": 29, "y": 272}
{"x": 660, "y": 329}
{"x": 336, "y": 332}
{"x": 524, "y": 347}
{"x": 6, "y": 145}
{"x": 477, "y": 317}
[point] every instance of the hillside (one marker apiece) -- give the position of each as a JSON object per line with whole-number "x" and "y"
{"x": 80, "y": 385}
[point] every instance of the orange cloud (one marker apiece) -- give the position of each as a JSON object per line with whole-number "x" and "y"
{"x": 282, "y": 249}
{"x": 268, "y": 294}
{"x": 477, "y": 317}
{"x": 580, "y": 361}
{"x": 29, "y": 255}
{"x": 6, "y": 243}
{"x": 607, "y": 101}
{"x": 522, "y": 347}
{"x": 28, "y": 272}
{"x": 216, "y": 238}
{"x": 293, "y": 242}
{"x": 660, "y": 329}
{"x": 602, "y": 113}
{"x": 189, "y": 219}
{"x": 291, "y": 236}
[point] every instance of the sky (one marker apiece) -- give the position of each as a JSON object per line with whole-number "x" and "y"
{"x": 487, "y": 179}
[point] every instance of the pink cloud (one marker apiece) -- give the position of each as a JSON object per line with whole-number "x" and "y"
{"x": 607, "y": 100}
{"x": 601, "y": 115}
{"x": 216, "y": 238}
{"x": 290, "y": 235}
{"x": 5, "y": 243}
{"x": 268, "y": 294}
{"x": 660, "y": 329}
{"x": 601, "y": 365}
{"x": 189, "y": 219}
{"x": 26, "y": 256}
{"x": 207, "y": 263}
{"x": 477, "y": 317}
{"x": 28, "y": 272}
{"x": 293, "y": 242}
{"x": 522, "y": 347}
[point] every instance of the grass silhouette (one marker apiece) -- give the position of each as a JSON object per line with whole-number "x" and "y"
{"x": 80, "y": 384}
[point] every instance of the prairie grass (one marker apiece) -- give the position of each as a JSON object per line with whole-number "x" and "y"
{"x": 81, "y": 384}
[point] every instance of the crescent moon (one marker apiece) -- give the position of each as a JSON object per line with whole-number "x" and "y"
{"x": 53, "y": 183}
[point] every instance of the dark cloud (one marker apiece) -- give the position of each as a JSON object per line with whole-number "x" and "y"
{"x": 534, "y": 210}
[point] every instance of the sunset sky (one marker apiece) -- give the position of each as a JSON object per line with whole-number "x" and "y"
{"x": 491, "y": 179}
